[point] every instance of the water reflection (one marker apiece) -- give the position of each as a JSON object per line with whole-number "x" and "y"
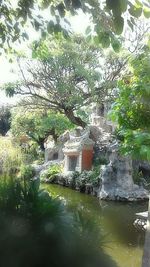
{"x": 122, "y": 241}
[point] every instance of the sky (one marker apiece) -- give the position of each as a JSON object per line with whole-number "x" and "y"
{"x": 79, "y": 24}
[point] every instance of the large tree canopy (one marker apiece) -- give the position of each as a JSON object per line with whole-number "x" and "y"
{"x": 62, "y": 77}
{"x": 107, "y": 16}
{"x": 38, "y": 124}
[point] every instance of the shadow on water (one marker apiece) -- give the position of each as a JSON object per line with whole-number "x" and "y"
{"x": 115, "y": 220}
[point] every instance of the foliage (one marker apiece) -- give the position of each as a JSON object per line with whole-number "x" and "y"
{"x": 101, "y": 160}
{"x": 26, "y": 171}
{"x": 10, "y": 156}
{"x": 38, "y": 124}
{"x": 5, "y": 116}
{"x": 94, "y": 176}
{"x": 62, "y": 77}
{"x": 81, "y": 179}
{"x": 31, "y": 151}
{"x": 108, "y": 18}
{"x": 132, "y": 109}
{"x": 50, "y": 173}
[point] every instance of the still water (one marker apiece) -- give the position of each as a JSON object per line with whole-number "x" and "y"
{"x": 122, "y": 241}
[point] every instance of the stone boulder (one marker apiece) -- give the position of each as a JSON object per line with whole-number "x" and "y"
{"x": 116, "y": 179}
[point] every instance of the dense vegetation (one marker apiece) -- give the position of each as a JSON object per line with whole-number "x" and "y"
{"x": 132, "y": 109}
{"x": 38, "y": 125}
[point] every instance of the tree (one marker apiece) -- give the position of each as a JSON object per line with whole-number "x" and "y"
{"x": 5, "y": 116}
{"x": 38, "y": 125}
{"x": 108, "y": 18}
{"x": 62, "y": 77}
{"x": 132, "y": 109}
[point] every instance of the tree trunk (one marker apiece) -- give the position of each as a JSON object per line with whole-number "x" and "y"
{"x": 76, "y": 120}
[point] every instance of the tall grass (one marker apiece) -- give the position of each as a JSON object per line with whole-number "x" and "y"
{"x": 10, "y": 156}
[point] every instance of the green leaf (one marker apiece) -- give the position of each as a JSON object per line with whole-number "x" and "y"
{"x": 104, "y": 39}
{"x": 52, "y": 10}
{"x": 116, "y": 45}
{"x": 46, "y": 3}
{"x": 135, "y": 11}
{"x": 88, "y": 30}
{"x": 50, "y": 27}
{"x": 25, "y": 35}
{"x": 118, "y": 24}
{"x": 123, "y": 5}
{"x": 61, "y": 9}
{"x": 96, "y": 40}
{"x": 138, "y": 3}
{"x": 146, "y": 12}
{"x": 112, "y": 4}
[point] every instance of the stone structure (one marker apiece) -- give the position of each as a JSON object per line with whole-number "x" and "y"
{"x": 141, "y": 221}
{"x": 116, "y": 177}
{"x": 98, "y": 118}
{"x": 78, "y": 152}
{"x": 54, "y": 151}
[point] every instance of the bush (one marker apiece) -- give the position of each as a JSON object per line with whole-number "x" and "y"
{"x": 81, "y": 179}
{"x": 51, "y": 172}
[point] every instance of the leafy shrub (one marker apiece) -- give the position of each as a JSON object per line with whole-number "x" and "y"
{"x": 50, "y": 173}
{"x": 81, "y": 179}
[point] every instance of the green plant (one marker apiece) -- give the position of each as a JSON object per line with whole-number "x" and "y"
{"x": 27, "y": 172}
{"x": 81, "y": 179}
{"x": 10, "y": 156}
{"x": 102, "y": 160}
{"x": 131, "y": 109}
{"x": 94, "y": 176}
{"x": 50, "y": 173}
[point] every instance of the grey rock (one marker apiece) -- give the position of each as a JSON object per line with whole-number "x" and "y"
{"x": 116, "y": 177}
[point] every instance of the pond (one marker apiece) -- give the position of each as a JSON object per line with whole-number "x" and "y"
{"x": 122, "y": 241}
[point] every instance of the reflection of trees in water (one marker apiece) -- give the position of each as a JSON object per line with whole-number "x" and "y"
{"x": 114, "y": 219}
{"x": 119, "y": 218}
